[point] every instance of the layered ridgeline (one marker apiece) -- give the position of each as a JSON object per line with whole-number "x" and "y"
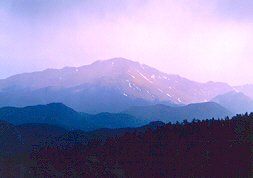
{"x": 246, "y": 89}
{"x": 173, "y": 150}
{"x": 236, "y": 102}
{"x": 60, "y": 115}
{"x": 106, "y": 86}
{"x": 189, "y": 112}
{"x": 27, "y": 137}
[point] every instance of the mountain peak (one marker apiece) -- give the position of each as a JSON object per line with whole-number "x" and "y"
{"x": 118, "y": 61}
{"x": 106, "y": 84}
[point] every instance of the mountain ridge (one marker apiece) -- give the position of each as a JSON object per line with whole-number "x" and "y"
{"x": 106, "y": 86}
{"x": 189, "y": 112}
{"x": 235, "y": 101}
{"x": 62, "y": 116}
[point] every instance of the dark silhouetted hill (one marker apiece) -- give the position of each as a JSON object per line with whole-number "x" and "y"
{"x": 60, "y": 115}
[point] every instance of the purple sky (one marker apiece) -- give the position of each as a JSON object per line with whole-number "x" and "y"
{"x": 202, "y": 40}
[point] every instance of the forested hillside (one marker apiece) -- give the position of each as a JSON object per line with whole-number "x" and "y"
{"x": 209, "y": 148}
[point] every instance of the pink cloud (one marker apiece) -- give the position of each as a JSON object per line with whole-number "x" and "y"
{"x": 189, "y": 38}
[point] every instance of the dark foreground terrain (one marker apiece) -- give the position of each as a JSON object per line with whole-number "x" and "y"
{"x": 210, "y": 148}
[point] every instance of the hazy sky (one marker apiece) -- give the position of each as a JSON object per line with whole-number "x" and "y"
{"x": 199, "y": 39}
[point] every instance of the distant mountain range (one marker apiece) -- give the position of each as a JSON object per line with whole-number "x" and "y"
{"x": 62, "y": 116}
{"x": 34, "y": 127}
{"x": 108, "y": 86}
{"x": 189, "y": 112}
{"x": 246, "y": 89}
{"x": 236, "y": 102}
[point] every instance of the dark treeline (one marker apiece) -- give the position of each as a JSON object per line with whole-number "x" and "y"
{"x": 209, "y": 148}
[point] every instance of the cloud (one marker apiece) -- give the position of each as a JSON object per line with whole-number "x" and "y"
{"x": 201, "y": 40}
{"x": 236, "y": 10}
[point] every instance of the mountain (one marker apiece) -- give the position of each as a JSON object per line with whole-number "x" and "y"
{"x": 165, "y": 113}
{"x": 60, "y": 115}
{"x": 54, "y": 114}
{"x": 105, "y": 86}
{"x": 236, "y": 102}
{"x": 246, "y": 89}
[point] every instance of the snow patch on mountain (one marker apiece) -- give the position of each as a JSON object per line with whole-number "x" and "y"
{"x": 160, "y": 90}
{"x": 129, "y": 83}
{"x": 144, "y": 77}
{"x": 168, "y": 95}
{"x": 132, "y": 76}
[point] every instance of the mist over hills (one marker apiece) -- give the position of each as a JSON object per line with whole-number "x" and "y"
{"x": 246, "y": 89}
{"x": 236, "y": 102}
{"x": 35, "y": 127}
{"x": 189, "y": 112}
{"x": 58, "y": 114}
{"x": 106, "y": 86}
